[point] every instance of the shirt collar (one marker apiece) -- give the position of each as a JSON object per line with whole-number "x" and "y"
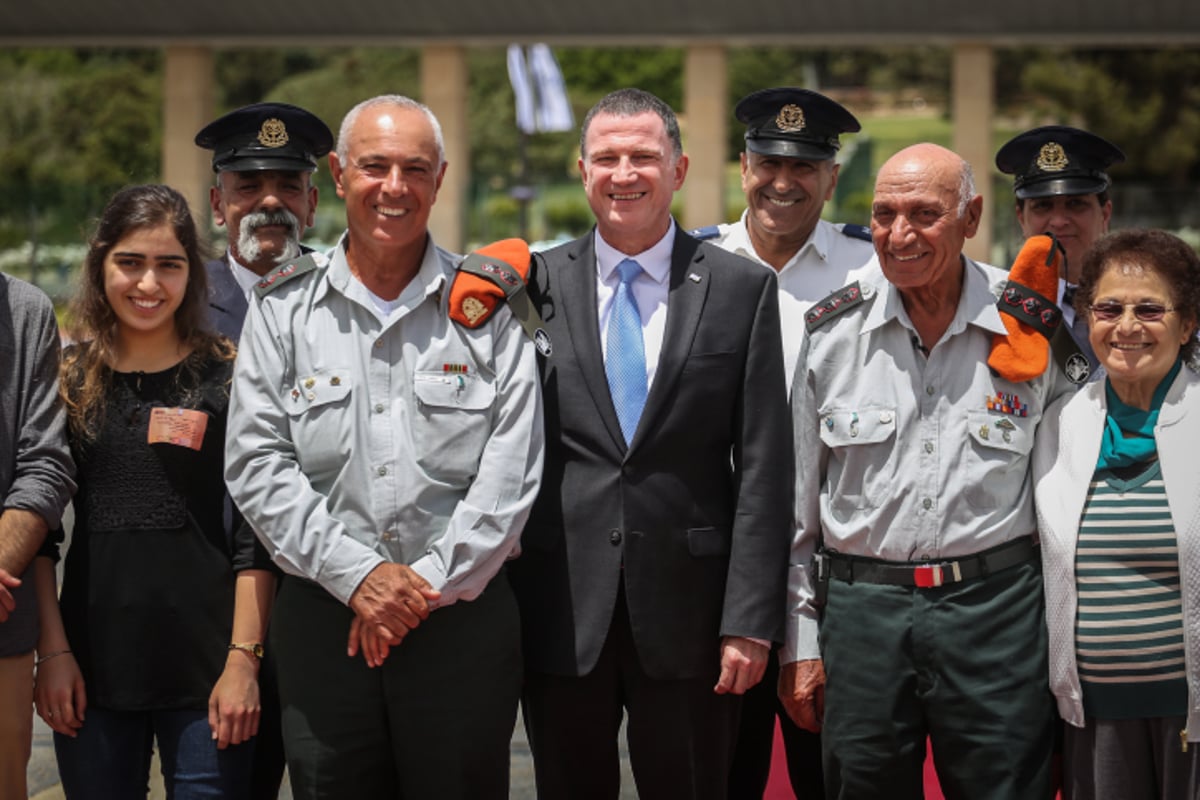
{"x": 429, "y": 280}
{"x": 246, "y": 278}
{"x": 820, "y": 240}
{"x": 655, "y": 261}
{"x": 976, "y": 304}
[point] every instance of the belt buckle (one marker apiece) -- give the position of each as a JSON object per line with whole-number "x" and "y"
{"x": 928, "y": 576}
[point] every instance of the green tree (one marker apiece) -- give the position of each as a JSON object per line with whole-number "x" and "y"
{"x": 1146, "y": 101}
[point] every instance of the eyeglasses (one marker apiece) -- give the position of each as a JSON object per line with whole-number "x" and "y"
{"x": 1145, "y": 312}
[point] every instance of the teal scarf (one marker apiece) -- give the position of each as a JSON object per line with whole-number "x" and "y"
{"x": 1129, "y": 432}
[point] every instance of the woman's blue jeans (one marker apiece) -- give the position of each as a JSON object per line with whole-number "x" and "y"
{"x": 110, "y": 757}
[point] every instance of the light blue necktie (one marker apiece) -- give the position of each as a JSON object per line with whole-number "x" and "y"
{"x": 626, "y": 362}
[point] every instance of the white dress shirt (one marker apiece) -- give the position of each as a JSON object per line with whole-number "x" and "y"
{"x": 650, "y": 290}
{"x": 822, "y": 265}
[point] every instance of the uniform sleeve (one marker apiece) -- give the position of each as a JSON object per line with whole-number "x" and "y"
{"x": 43, "y": 477}
{"x": 263, "y": 474}
{"x": 485, "y": 527}
{"x": 800, "y": 642}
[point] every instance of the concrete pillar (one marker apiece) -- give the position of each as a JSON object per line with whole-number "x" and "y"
{"x": 188, "y": 92}
{"x": 444, "y": 90}
{"x": 705, "y": 131}
{"x": 973, "y": 104}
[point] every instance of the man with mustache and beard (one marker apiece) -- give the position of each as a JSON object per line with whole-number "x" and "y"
{"x": 264, "y": 156}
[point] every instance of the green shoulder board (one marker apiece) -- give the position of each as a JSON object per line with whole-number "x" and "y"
{"x": 833, "y": 306}
{"x": 281, "y": 275}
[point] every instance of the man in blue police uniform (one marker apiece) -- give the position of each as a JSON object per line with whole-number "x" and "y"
{"x": 264, "y": 156}
{"x": 789, "y": 172}
{"x": 1062, "y": 188}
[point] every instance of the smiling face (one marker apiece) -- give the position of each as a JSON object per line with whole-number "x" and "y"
{"x": 1076, "y": 220}
{"x": 145, "y": 280}
{"x": 390, "y": 179}
{"x": 785, "y": 195}
{"x": 266, "y": 212}
{"x": 916, "y": 224}
{"x": 630, "y": 173}
{"x": 1136, "y": 354}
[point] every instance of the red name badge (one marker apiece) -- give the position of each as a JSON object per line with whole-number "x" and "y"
{"x": 182, "y": 426}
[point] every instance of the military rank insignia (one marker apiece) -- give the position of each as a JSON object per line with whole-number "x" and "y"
{"x": 832, "y": 306}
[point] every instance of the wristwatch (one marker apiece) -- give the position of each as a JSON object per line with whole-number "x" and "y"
{"x": 253, "y": 648}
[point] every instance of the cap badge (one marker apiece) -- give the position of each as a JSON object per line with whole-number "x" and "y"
{"x": 790, "y": 118}
{"x": 273, "y": 133}
{"x": 1052, "y": 158}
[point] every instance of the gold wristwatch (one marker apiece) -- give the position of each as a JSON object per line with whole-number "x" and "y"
{"x": 253, "y": 648}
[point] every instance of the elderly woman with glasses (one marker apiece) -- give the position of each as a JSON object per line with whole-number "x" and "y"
{"x": 1117, "y": 471}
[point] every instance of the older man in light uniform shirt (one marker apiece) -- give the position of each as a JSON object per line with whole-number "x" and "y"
{"x": 918, "y": 500}
{"x": 388, "y": 458}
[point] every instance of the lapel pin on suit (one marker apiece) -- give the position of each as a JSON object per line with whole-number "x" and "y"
{"x": 694, "y": 278}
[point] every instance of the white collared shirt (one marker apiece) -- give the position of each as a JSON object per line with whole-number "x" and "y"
{"x": 650, "y": 290}
{"x": 822, "y": 265}
{"x": 246, "y": 278}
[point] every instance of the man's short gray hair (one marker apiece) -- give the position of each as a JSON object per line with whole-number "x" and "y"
{"x": 966, "y": 188}
{"x": 398, "y": 101}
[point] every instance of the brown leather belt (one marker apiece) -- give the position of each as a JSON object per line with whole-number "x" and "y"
{"x": 928, "y": 574}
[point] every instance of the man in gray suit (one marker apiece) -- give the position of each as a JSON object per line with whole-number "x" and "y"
{"x": 652, "y": 577}
{"x": 264, "y": 156}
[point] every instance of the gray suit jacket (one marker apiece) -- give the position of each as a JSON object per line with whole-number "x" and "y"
{"x": 694, "y": 516}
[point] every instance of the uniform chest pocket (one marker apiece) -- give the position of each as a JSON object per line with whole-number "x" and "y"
{"x": 319, "y": 405}
{"x": 862, "y": 462}
{"x": 451, "y": 423}
{"x": 1000, "y": 446}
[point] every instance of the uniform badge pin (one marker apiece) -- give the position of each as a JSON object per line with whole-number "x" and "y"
{"x": 310, "y": 383}
{"x": 694, "y": 278}
{"x": 335, "y": 381}
{"x": 984, "y": 432}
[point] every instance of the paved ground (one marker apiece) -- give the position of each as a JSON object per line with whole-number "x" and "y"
{"x": 43, "y": 774}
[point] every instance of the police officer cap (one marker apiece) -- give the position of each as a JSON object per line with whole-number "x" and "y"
{"x": 1056, "y": 159}
{"x": 794, "y": 123}
{"x": 266, "y": 136}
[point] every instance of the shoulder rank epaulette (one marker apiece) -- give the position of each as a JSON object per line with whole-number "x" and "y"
{"x": 707, "y": 232}
{"x": 833, "y": 306}
{"x": 281, "y": 275}
{"x": 1070, "y": 357}
{"x": 857, "y": 232}
{"x": 490, "y": 275}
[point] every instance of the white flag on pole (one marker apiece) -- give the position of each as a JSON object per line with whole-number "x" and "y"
{"x": 518, "y": 76}
{"x": 553, "y": 105}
